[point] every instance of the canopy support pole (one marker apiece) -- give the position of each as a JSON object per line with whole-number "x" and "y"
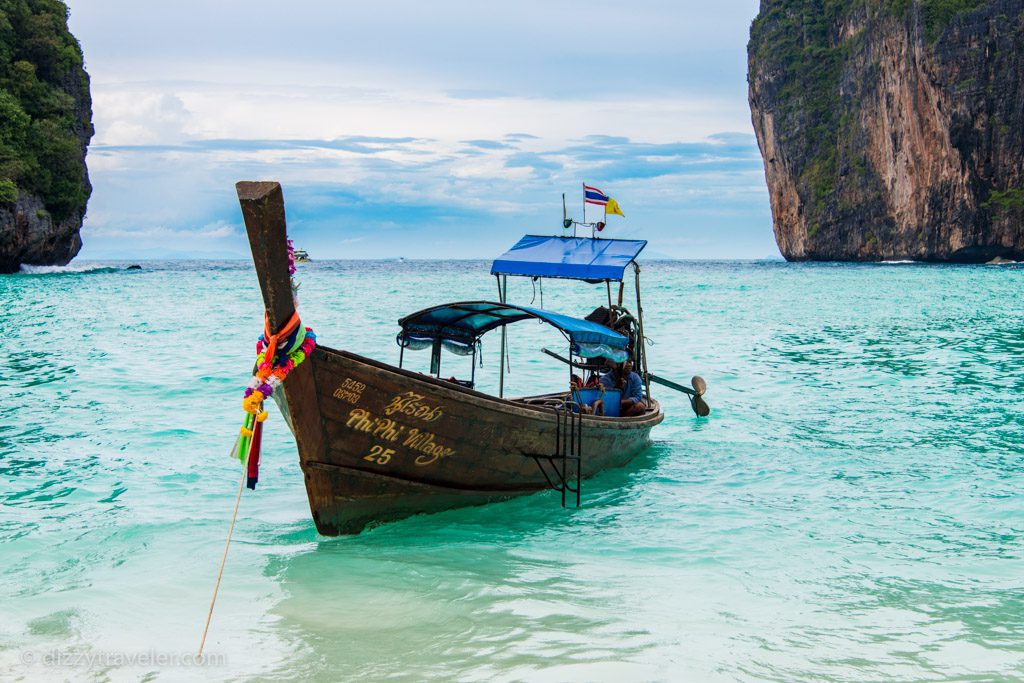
{"x": 502, "y": 293}
{"x": 622, "y": 287}
{"x": 608, "y": 283}
{"x": 435, "y": 358}
{"x": 641, "y": 351}
{"x": 570, "y": 371}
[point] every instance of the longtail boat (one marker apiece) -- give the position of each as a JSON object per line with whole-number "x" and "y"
{"x": 378, "y": 442}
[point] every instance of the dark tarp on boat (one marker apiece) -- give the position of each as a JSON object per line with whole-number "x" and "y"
{"x": 466, "y": 321}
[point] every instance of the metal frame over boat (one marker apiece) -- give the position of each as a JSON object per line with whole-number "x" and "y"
{"x": 378, "y": 442}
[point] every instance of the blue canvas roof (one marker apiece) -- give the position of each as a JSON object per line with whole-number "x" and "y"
{"x": 576, "y": 258}
{"x": 466, "y": 321}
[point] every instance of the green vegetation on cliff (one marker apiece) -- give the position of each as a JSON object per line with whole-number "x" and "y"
{"x": 45, "y": 114}
{"x": 1012, "y": 198}
{"x": 936, "y": 15}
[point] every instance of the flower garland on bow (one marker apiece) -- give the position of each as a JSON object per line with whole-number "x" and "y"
{"x": 276, "y": 356}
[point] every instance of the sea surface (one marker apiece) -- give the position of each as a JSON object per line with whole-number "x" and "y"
{"x": 852, "y": 509}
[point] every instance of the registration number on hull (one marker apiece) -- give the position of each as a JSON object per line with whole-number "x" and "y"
{"x": 392, "y": 429}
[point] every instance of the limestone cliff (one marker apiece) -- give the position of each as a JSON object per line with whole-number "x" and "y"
{"x": 891, "y": 129}
{"x": 45, "y": 128}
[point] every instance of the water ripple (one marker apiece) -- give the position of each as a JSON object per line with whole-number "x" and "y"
{"x": 851, "y": 511}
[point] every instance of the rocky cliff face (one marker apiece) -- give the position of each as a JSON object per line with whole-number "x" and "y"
{"x": 45, "y": 128}
{"x": 891, "y": 129}
{"x": 29, "y": 234}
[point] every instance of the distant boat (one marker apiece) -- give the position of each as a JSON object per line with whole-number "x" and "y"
{"x": 301, "y": 256}
{"x": 379, "y": 442}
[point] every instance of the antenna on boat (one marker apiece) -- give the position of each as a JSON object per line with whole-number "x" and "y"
{"x": 566, "y": 221}
{"x": 584, "y": 208}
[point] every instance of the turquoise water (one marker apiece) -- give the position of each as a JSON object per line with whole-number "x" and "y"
{"x": 852, "y": 510}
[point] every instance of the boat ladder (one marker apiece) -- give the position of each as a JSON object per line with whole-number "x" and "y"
{"x": 563, "y": 467}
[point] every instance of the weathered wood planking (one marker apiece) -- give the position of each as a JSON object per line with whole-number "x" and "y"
{"x": 399, "y": 443}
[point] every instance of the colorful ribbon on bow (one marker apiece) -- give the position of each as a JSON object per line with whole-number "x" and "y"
{"x": 276, "y": 356}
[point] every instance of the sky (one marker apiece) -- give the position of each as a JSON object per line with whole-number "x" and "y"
{"x": 420, "y": 130}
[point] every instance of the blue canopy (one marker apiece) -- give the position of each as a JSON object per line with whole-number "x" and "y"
{"x": 575, "y": 258}
{"x": 467, "y": 321}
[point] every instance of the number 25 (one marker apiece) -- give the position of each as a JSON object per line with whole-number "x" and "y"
{"x": 380, "y": 455}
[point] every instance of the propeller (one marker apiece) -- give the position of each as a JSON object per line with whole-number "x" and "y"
{"x": 699, "y": 405}
{"x": 697, "y": 402}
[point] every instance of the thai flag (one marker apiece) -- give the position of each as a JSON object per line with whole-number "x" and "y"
{"x": 592, "y": 195}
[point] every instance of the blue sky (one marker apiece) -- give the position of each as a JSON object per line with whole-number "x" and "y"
{"x": 411, "y": 129}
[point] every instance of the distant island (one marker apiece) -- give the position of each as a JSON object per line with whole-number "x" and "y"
{"x": 891, "y": 129}
{"x": 45, "y": 128}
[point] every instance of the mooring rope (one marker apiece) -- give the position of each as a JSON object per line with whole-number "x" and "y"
{"x": 227, "y": 544}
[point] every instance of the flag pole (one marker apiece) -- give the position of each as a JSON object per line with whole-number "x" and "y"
{"x": 584, "y": 208}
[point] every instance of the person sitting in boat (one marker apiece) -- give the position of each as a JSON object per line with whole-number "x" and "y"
{"x": 621, "y": 376}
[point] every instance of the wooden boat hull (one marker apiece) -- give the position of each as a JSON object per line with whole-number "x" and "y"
{"x": 378, "y": 443}
{"x": 395, "y": 443}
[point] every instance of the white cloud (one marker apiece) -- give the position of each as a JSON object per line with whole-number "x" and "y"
{"x": 139, "y": 115}
{"x": 214, "y": 231}
{"x": 166, "y": 113}
{"x": 489, "y": 113}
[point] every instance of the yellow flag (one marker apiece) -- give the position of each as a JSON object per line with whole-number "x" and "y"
{"x": 613, "y": 207}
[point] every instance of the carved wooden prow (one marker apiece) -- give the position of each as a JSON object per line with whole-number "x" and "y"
{"x": 263, "y": 210}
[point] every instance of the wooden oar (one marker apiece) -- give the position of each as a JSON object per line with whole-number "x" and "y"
{"x": 700, "y": 407}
